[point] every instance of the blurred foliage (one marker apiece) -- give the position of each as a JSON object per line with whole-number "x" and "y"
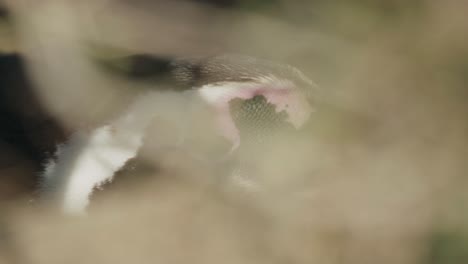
{"x": 7, "y": 38}
{"x": 258, "y": 5}
{"x": 449, "y": 247}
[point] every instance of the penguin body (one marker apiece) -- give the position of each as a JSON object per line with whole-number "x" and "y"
{"x": 248, "y": 99}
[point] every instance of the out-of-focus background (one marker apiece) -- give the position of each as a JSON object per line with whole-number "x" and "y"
{"x": 380, "y": 177}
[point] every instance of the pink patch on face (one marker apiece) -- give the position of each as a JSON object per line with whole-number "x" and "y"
{"x": 284, "y": 99}
{"x": 295, "y": 105}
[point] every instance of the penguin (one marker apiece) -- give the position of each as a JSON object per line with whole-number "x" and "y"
{"x": 249, "y": 99}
